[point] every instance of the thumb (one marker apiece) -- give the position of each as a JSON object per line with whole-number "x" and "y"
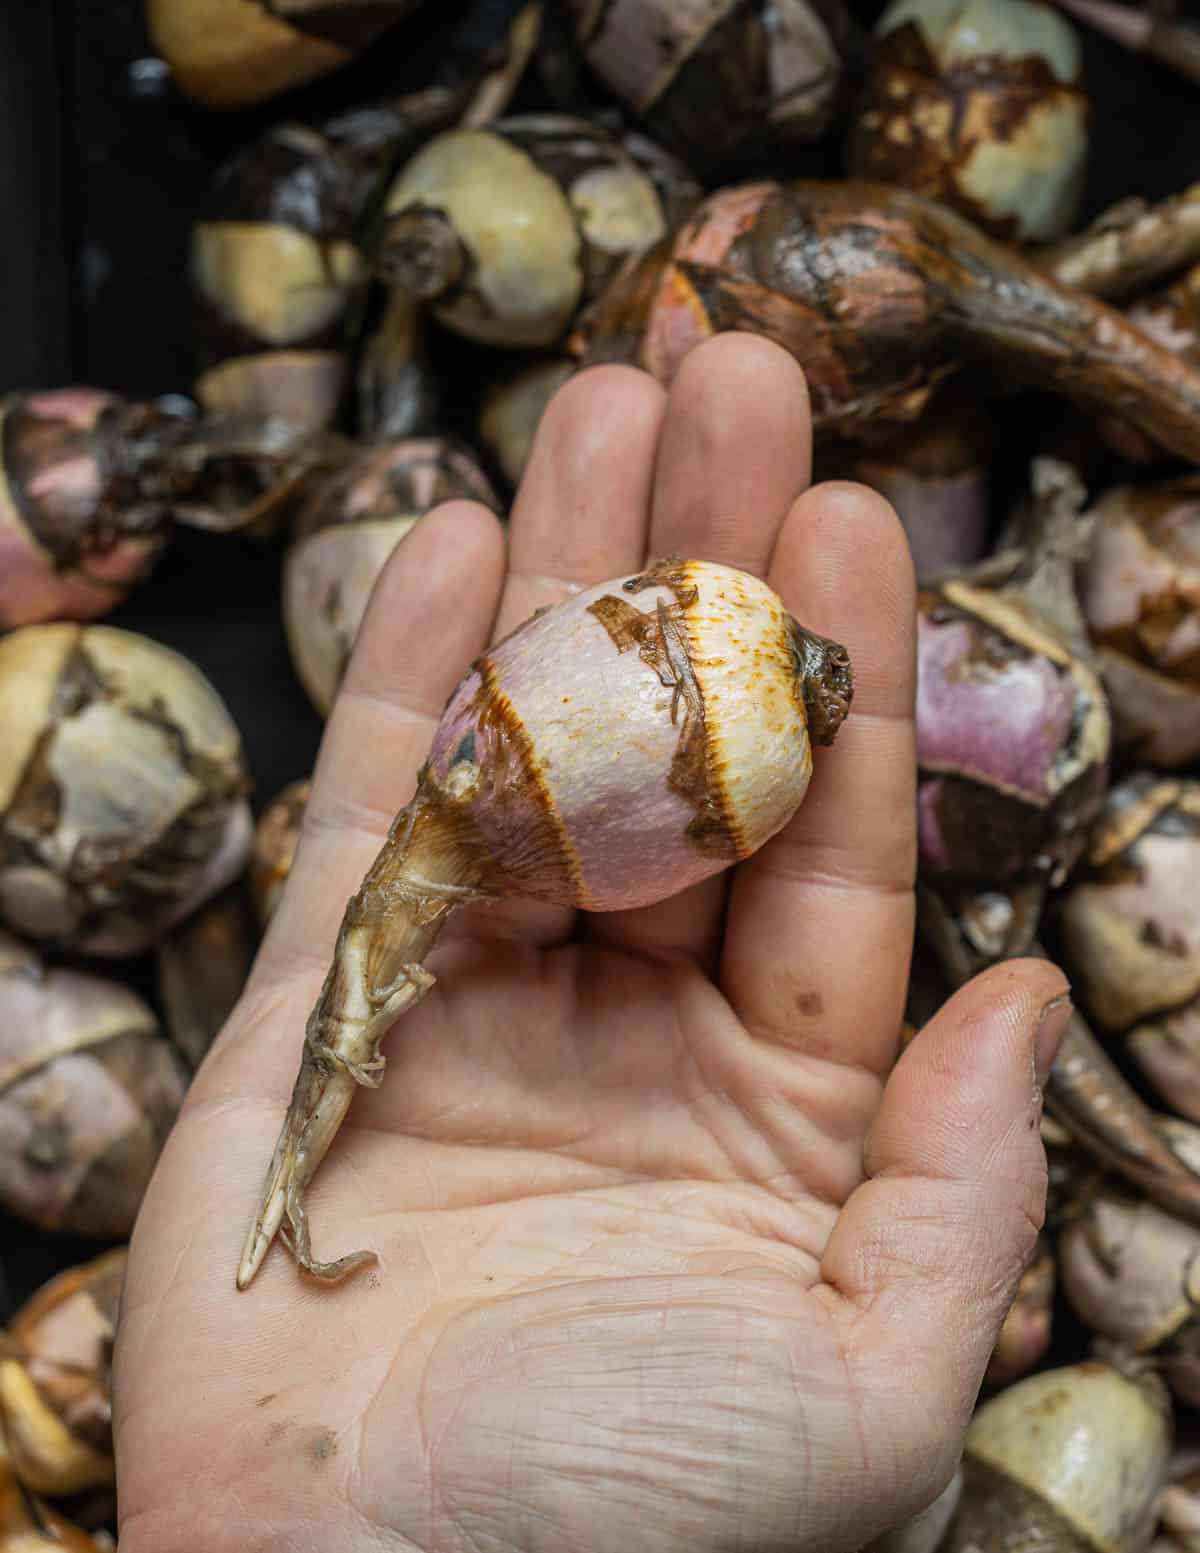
{"x": 927, "y": 1253}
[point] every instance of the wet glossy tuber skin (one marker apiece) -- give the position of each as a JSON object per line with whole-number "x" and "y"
{"x": 342, "y": 538}
{"x": 725, "y": 86}
{"x": 633, "y": 740}
{"x": 275, "y": 840}
{"x": 504, "y": 231}
{"x": 56, "y": 1380}
{"x": 234, "y": 53}
{"x": 1140, "y": 588}
{"x": 1131, "y": 1272}
{"x": 1131, "y": 930}
{"x": 88, "y": 1092}
{"x": 1069, "y": 1459}
{"x": 879, "y": 293}
{"x": 979, "y": 104}
{"x": 122, "y": 789}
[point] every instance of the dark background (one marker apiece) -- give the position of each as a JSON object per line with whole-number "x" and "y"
{"x": 103, "y": 169}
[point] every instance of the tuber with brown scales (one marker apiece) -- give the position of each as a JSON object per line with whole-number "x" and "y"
{"x": 979, "y": 103}
{"x": 643, "y": 735}
{"x": 123, "y": 789}
{"x": 344, "y": 533}
{"x": 89, "y": 484}
{"x": 1069, "y": 1459}
{"x": 879, "y": 294}
{"x": 88, "y": 1093}
{"x": 56, "y": 1379}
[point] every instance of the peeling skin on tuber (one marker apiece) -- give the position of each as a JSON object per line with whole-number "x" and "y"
{"x": 713, "y": 696}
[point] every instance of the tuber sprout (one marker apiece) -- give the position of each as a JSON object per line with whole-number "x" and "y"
{"x": 613, "y": 750}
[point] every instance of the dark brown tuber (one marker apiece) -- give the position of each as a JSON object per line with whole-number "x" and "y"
{"x": 276, "y": 837}
{"x": 879, "y": 294}
{"x": 726, "y": 86}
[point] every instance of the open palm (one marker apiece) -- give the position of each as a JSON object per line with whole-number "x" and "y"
{"x": 662, "y": 1263}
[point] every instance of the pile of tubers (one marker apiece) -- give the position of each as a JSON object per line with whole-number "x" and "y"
{"x": 385, "y": 295}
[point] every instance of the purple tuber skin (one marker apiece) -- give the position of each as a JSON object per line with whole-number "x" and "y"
{"x": 1140, "y": 589}
{"x": 608, "y": 753}
{"x": 1012, "y": 723}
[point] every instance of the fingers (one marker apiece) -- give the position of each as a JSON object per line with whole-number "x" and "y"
{"x": 925, "y": 1258}
{"x": 430, "y": 613}
{"x": 581, "y": 514}
{"x": 819, "y": 929}
{"x": 735, "y": 451}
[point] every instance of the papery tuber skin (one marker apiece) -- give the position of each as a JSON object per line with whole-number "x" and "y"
{"x": 202, "y": 967}
{"x": 980, "y": 105}
{"x": 226, "y": 54}
{"x": 1025, "y": 1335}
{"x": 276, "y": 837}
{"x": 724, "y": 86}
{"x": 56, "y": 1380}
{"x": 1140, "y": 589}
{"x": 923, "y": 1532}
{"x": 1130, "y": 929}
{"x": 513, "y": 409}
{"x": 346, "y": 532}
{"x": 879, "y": 293}
{"x": 1132, "y": 1273}
{"x": 644, "y": 734}
{"x": 88, "y": 1092}
{"x": 29, "y": 1526}
{"x": 1128, "y": 248}
{"x": 935, "y": 474}
{"x": 122, "y": 789}
{"x": 1068, "y": 1459}
{"x": 505, "y": 231}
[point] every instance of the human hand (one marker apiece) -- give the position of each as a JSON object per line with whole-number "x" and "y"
{"x": 670, "y": 1256}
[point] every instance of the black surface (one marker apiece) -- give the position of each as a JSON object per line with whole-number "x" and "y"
{"x": 102, "y": 168}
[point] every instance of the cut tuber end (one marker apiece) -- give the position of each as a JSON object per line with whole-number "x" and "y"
{"x": 420, "y": 254}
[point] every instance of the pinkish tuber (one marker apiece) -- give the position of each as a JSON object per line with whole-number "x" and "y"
{"x": 1131, "y": 1272}
{"x": 1012, "y": 726}
{"x": 641, "y": 736}
{"x": 1025, "y": 1335}
{"x": 1141, "y": 596}
{"x": 345, "y": 533}
{"x": 1131, "y": 930}
{"x": 122, "y": 788}
{"x": 88, "y": 1092}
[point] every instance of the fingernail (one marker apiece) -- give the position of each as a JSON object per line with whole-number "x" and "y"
{"x": 1052, "y": 1023}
